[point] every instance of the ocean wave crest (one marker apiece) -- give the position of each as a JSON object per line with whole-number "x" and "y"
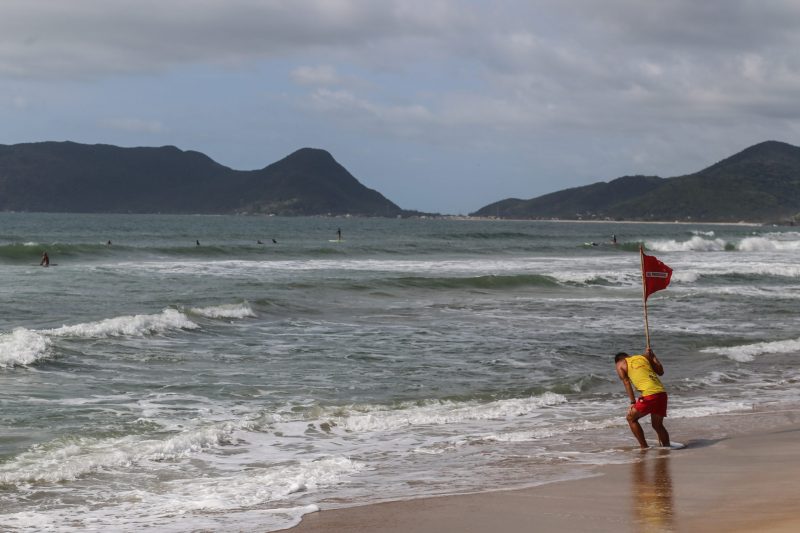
{"x": 22, "y": 347}
{"x": 241, "y": 310}
{"x": 606, "y": 277}
{"x": 764, "y": 244}
{"x": 695, "y": 244}
{"x": 747, "y": 352}
{"x": 131, "y": 325}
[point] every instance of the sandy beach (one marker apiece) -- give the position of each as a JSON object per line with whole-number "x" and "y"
{"x": 746, "y": 480}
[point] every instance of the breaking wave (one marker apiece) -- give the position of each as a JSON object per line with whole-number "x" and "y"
{"x": 778, "y": 242}
{"x": 242, "y": 310}
{"x": 695, "y": 244}
{"x": 763, "y": 244}
{"x": 131, "y": 325}
{"x": 22, "y": 347}
{"x": 748, "y": 352}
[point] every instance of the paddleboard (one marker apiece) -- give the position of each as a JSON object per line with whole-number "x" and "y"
{"x": 336, "y": 240}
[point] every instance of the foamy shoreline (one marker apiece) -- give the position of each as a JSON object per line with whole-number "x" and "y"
{"x": 744, "y": 480}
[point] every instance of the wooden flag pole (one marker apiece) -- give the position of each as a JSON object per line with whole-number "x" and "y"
{"x": 644, "y": 297}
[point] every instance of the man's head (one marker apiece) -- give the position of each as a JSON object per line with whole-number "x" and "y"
{"x": 620, "y": 356}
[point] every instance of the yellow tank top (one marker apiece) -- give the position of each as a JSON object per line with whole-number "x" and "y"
{"x": 642, "y": 375}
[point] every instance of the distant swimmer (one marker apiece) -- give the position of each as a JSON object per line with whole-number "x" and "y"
{"x": 614, "y": 239}
{"x": 642, "y": 371}
{"x": 45, "y": 260}
{"x": 198, "y": 242}
{"x": 108, "y": 243}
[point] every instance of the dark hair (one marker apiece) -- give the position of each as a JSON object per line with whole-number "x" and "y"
{"x": 620, "y": 356}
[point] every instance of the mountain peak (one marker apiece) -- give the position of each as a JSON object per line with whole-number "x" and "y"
{"x": 760, "y": 183}
{"x": 73, "y": 177}
{"x": 767, "y": 153}
{"x": 308, "y": 151}
{"x": 309, "y": 160}
{"x": 317, "y": 155}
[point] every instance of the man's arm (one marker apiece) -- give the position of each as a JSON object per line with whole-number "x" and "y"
{"x": 654, "y": 362}
{"x": 622, "y": 372}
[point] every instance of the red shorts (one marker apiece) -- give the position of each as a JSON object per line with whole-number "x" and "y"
{"x": 653, "y": 404}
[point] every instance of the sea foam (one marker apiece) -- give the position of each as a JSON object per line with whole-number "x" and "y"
{"x": 242, "y": 310}
{"x": 764, "y": 244}
{"x": 77, "y": 456}
{"x": 257, "y": 486}
{"x": 695, "y": 244}
{"x": 441, "y": 413}
{"x": 132, "y": 325}
{"x": 556, "y": 430}
{"x": 255, "y": 498}
{"x": 22, "y": 347}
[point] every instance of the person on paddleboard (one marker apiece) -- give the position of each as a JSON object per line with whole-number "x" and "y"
{"x": 45, "y": 260}
{"x": 642, "y": 372}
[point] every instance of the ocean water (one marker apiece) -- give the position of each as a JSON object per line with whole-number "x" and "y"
{"x": 233, "y": 385}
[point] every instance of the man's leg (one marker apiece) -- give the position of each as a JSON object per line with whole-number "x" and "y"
{"x": 658, "y": 424}
{"x": 633, "y": 421}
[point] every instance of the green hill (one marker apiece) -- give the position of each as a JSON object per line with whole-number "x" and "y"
{"x": 759, "y": 184}
{"x": 72, "y": 177}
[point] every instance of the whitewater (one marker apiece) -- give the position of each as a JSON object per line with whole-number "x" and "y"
{"x": 237, "y": 385}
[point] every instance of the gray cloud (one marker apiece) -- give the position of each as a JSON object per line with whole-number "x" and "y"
{"x": 320, "y": 75}
{"x": 638, "y": 85}
{"x": 56, "y": 39}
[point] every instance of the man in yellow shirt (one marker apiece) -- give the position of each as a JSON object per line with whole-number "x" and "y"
{"x": 642, "y": 371}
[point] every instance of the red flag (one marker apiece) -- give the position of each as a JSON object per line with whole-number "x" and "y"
{"x": 656, "y": 275}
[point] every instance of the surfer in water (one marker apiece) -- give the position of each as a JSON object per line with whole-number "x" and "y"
{"x": 642, "y": 371}
{"x": 45, "y": 260}
{"x": 339, "y": 234}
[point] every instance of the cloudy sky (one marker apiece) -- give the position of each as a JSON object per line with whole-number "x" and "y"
{"x": 441, "y": 105}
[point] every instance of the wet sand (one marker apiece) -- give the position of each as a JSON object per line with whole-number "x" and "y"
{"x": 738, "y": 482}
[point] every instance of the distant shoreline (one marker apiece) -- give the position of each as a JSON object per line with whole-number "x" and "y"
{"x": 414, "y": 217}
{"x": 756, "y": 224}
